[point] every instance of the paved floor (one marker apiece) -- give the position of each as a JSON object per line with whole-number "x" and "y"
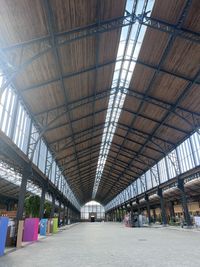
{"x": 110, "y": 244}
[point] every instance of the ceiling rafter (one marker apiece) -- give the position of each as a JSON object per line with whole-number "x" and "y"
{"x": 165, "y": 53}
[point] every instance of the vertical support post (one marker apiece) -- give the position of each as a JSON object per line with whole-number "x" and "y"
{"x": 42, "y": 200}
{"x": 22, "y": 193}
{"x": 71, "y": 215}
{"x": 184, "y": 202}
{"x": 59, "y": 213}
{"x": 139, "y": 211}
{"x": 123, "y": 214}
{"x": 131, "y": 214}
{"x": 119, "y": 215}
{"x": 162, "y": 206}
{"x": 171, "y": 211}
{"x": 138, "y": 206}
{"x": 154, "y": 215}
{"x": 148, "y": 208}
{"x": 53, "y": 206}
{"x": 64, "y": 215}
{"x": 67, "y": 215}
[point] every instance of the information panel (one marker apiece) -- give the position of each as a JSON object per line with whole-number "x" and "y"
{"x": 31, "y": 229}
{"x": 43, "y": 226}
{"x": 3, "y": 233}
{"x": 55, "y": 225}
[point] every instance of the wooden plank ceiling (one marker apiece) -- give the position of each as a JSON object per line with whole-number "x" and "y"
{"x": 63, "y": 82}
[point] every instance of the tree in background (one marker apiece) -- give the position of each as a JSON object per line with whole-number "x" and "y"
{"x": 47, "y": 209}
{"x": 32, "y": 206}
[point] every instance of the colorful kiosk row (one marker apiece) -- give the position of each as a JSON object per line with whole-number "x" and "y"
{"x": 27, "y": 230}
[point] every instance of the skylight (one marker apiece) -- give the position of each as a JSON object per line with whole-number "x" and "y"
{"x": 129, "y": 47}
{"x": 15, "y": 178}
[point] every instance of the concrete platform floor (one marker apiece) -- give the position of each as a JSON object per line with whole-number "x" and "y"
{"x": 110, "y": 244}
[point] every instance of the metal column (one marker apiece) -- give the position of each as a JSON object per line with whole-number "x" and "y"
{"x": 119, "y": 214}
{"x": 67, "y": 215}
{"x": 114, "y": 215}
{"x": 64, "y": 214}
{"x": 171, "y": 211}
{"x": 154, "y": 215}
{"x": 131, "y": 214}
{"x": 59, "y": 213}
{"x": 148, "y": 208}
{"x": 162, "y": 206}
{"x": 42, "y": 200}
{"x": 53, "y": 206}
{"x": 184, "y": 202}
{"x": 123, "y": 214}
{"x": 138, "y": 206}
{"x": 22, "y": 193}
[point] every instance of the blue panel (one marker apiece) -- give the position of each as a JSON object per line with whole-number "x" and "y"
{"x": 43, "y": 226}
{"x": 3, "y": 233}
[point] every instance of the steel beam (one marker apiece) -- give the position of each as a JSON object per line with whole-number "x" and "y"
{"x": 171, "y": 211}
{"x": 22, "y": 193}
{"x": 103, "y": 94}
{"x": 110, "y": 25}
{"x": 123, "y": 110}
{"x": 124, "y": 149}
{"x": 120, "y": 126}
{"x": 148, "y": 208}
{"x": 53, "y": 206}
{"x": 42, "y": 200}
{"x": 187, "y": 217}
{"x": 117, "y": 135}
{"x": 162, "y": 206}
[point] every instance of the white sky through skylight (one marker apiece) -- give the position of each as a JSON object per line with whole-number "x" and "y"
{"x": 129, "y": 47}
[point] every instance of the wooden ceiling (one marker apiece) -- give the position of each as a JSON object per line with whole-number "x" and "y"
{"x": 67, "y": 79}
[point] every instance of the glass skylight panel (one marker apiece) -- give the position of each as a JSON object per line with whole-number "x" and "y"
{"x": 15, "y": 178}
{"x": 129, "y": 47}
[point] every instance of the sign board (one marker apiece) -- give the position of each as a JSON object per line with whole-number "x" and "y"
{"x": 3, "y": 233}
{"x": 43, "y": 226}
{"x": 55, "y": 225}
{"x": 31, "y": 229}
{"x": 197, "y": 220}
